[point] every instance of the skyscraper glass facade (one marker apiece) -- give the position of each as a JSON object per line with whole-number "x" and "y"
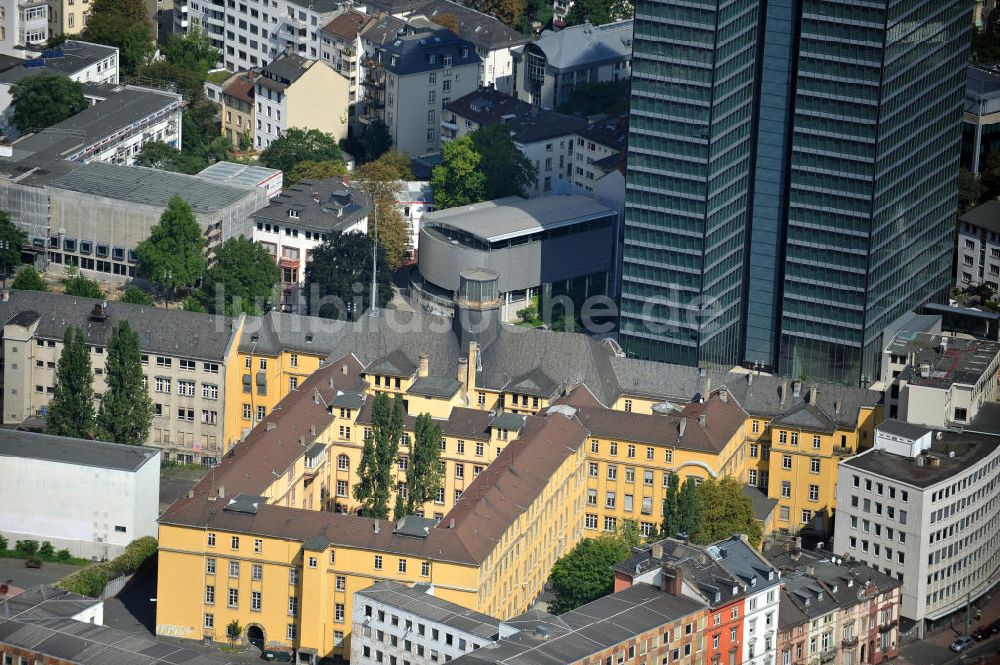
{"x": 842, "y": 180}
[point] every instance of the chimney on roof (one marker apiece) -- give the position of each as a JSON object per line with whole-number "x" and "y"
{"x": 222, "y": 492}
{"x": 451, "y": 523}
{"x": 423, "y": 366}
{"x": 706, "y": 387}
{"x": 723, "y": 395}
{"x": 302, "y": 440}
{"x": 463, "y": 378}
{"x": 796, "y": 388}
{"x": 784, "y": 390}
{"x": 671, "y": 580}
{"x": 190, "y": 494}
{"x": 657, "y": 551}
{"x": 836, "y": 407}
{"x": 812, "y": 395}
{"x": 681, "y": 426}
{"x": 702, "y": 420}
{"x": 375, "y": 525}
{"x": 343, "y": 369}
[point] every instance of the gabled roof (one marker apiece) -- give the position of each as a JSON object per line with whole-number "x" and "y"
{"x": 585, "y": 44}
{"x": 805, "y": 416}
{"x": 536, "y": 383}
{"x": 241, "y": 86}
{"x": 527, "y": 123}
{"x": 480, "y": 29}
{"x": 425, "y": 51}
{"x": 347, "y": 25}
{"x": 394, "y": 363}
{"x": 431, "y": 608}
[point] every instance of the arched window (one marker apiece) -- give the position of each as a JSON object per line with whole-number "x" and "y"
{"x": 343, "y": 463}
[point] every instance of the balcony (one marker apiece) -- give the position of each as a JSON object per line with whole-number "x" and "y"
{"x": 886, "y": 627}
{"x": 842, "y": 451}
{"x": 828, "y": 655}
{"x": 849, "y": 643}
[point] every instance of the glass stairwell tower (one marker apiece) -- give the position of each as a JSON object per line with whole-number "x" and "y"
{"x": 791, "y": 178}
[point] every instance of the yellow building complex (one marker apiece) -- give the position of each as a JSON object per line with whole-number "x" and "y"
{"x": 546, "y": 438}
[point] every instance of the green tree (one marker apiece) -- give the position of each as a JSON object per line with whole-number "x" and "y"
{"x": 310, "y": 170}
{"x": 671, "y": 516}
{"x": 969, "y": 190}
{"x": 76, "y": 284}
{"x": 134, "y": 10}
{"x": 378, "y": 457}
{"x": 126, "y": 410}
{"x": 159, "y": 155}
{"x": 508, "y": 11}
{"x": 340, "y": 276}
{"x": 131, "y": 36}
{"x": 299, "y": 145}
{"x": 629, "y": 534}
{"x": 985, "y": 47}
{"x": 42, "y": 101}
{"x": 599, "y": 12}
{"x": 399, "y": 162}
{"x": 376, "y": 141}
{"x": 241, "y": 279}
{"x": 399, "y": 509}
{"x": 192, "y": 304}
{"x": 458, "y": 180}
{"x": 28, "y": 279}
{"x": 192, "y": 52}
{"x": 506, "y": 169}
{"x": 689, "y": 517}
{"x": 11, "y": 241}
{"x": 584, "y": 574}
{"x": 726, "y": 510}
{"x": 186, "y": 81}
{"x": 71, "y": 411}
{"x": 173, "y": 255}
{"x": 423, "y": 473}
{"x": 137, "y": 296}
{"x": 234, "y": 631}
{"x": 381, "y": 180}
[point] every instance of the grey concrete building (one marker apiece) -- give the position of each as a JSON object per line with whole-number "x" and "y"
{"x": 978, "y": 259}
{"x": 186, "y": 357}
{"x": 547, "y": 70}
{"x": 921, "y": 506}
{"x": 549, "y": 246}
{"x": 393, "y": 621}
{"x": 90, "y": 497}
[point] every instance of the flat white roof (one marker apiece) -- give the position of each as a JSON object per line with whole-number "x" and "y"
{"x": 513, "y": 216}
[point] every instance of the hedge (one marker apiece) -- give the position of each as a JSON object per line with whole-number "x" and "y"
{"x": 91, "y": 580}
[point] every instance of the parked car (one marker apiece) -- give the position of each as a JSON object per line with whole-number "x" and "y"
{"x": 32, "y": 563}
{"x": 962, "y": 643}
{"x": 981, "y": 633}
{"x": 995, "y": 627}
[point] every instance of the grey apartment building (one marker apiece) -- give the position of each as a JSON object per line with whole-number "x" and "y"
{"x": 791, "y": 178}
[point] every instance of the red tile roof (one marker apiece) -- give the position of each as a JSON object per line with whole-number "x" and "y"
{"x": 347, "y": 25}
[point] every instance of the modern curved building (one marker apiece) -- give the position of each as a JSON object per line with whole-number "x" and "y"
{"x": 554, "y": 246}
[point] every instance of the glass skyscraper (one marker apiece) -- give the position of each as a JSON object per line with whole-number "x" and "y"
{"x": 791, "y": 178}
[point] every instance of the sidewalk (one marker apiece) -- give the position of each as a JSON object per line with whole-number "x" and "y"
{"x": 988, "y": 605}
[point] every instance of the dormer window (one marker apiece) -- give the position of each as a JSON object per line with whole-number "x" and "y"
{"x": 447, "y": 60}
{"x": 293, "y": 214}
{"x": 465, "y": 52}
{"x": 431, "y": 58}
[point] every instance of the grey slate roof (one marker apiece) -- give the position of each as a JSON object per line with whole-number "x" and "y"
{"x": 50, "y": 148}
{"x": 152, "y": 187}
{"x": 284, "y": 70}
{"x": 536, "y": 382}
{"x": 763, "y": 505}
{"x": 168, "y": 332}
{"x": 339, "y": 207}
{"x": 431, "y": 608}
{"x": 587, "y": 630}
{"x": 435, "y": 386}
{"x": 45, "y": 602}
{"x": 746, "y": 563}
{"x": 394, "y": 363}
{"x": 413, "y": 51}
{"x": 383, "y": 29}
{"x": 80, "y": 452}
{"x": 805, "y": 416}
{"x": 903, "y": 429}
{"x": 986, "y": 216}
{"x": 507, "y": 420}
{"x": 480, "y": 29}
{"x": 72, "y": 57}
{"x": 527, "y": 123}
{"x": 585, "y": 45}
{"x": 87, "y": 644}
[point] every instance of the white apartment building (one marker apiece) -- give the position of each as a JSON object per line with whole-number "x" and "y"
{"x": 301, "y": 218}
{"x": 250, "y": 34}
{"x": 184, "y": 361}
{"x": 979, "y": 247}
{"x": 411, "y": 79}
{"x": 90, "y": 497}
{"x": 921, "y": 506}
{"x": 293, "y": 91}
{"x": 393, "y": 622}
{"x": 413, "y": 199}
{"x": 546, "y": 138}
{"x": 24, "y": 26}
{"x": 939, "y": 380}
{"x": 599, "y": 148}
{"x": 547, "y": 70}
